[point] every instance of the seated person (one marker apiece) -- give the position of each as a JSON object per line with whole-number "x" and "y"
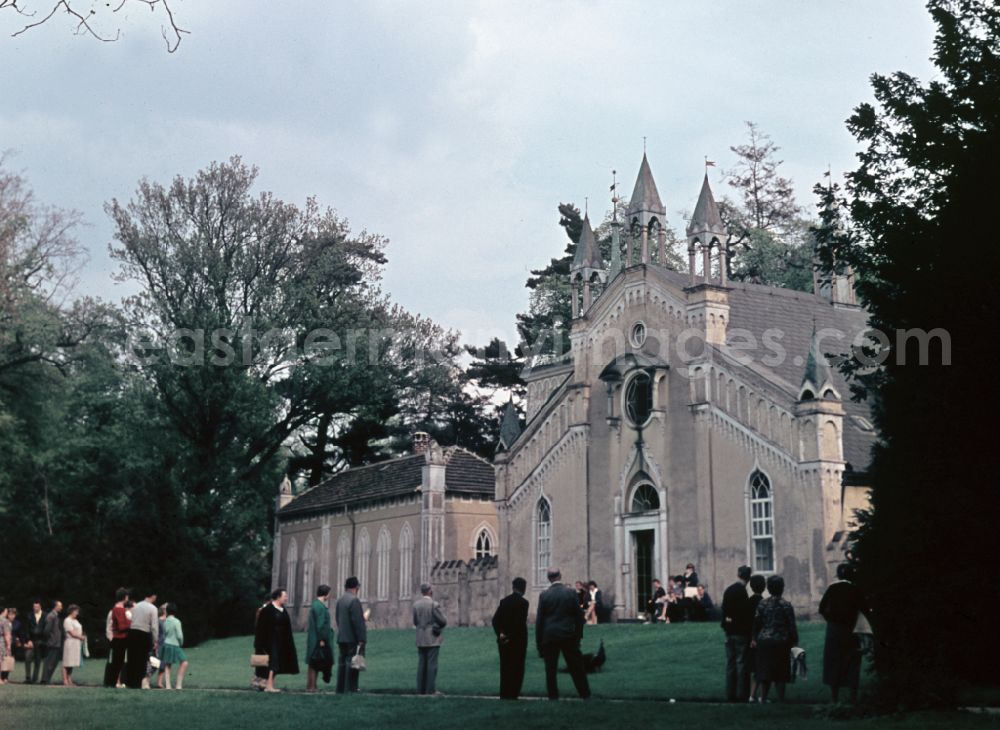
{"x": 677, "y": 606}
{"x": 701, "y": 606}
{"x": 656, "y": 605}
{"x": 690, "y": 576}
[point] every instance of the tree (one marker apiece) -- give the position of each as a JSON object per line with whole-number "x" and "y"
{"x": 770, "y": 241}
{"x": 93, "y": 19}
{"x": 919, "y": 196}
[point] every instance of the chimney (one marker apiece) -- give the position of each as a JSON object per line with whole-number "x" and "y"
{"x": 421, "y": 440}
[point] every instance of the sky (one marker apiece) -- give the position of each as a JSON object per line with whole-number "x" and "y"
{"x": 452, "y": 128}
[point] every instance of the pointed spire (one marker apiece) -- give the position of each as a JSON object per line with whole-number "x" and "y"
{"x": 706, "y": 215}
{"x": 645, "y": 196}
{"x": 510, "y": 427}
{"x": 587, "y": 255}
{"x": 817, "y": 378}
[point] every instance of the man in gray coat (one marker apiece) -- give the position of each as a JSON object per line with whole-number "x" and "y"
{"x": 53, "y": 641}
{"x": 430, "y": 622}
{"x": 351, "y": 635}
{"x": 558, "y": 629}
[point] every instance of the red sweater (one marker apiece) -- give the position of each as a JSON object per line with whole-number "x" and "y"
{"x": 119, "y": 623}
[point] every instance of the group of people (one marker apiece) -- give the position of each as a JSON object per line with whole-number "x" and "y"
{"x": 685, "y": 600}
{"x": 591, "y": 602}
{"x": 762, "y": 637}
{"x": 142, "y": 638}
{"x": 558, "y": 629}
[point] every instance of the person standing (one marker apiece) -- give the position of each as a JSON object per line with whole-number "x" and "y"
{"x": 840, "y": 606}
{"x": 430, "y": 622}
{"x": 737, "y": 622}
{"x": 73, "y": 645}
{"x": 53, "y": 641}
{"x": 319, "y": 639}
{"x": 274, "y": 638}
{"x": 6, "y": 645}
{"x": 774, "y": 635}
{"x": 757, "y": 585}
{"x": 34, "y": 652}
{"x": 351, "y": 635}
{"x": 510, "y": 624}
{"x": 119, "y": 640}
{"x": 559, "y": 629}
{"x": 172, "y": 654}
{"x": 160, "y": 635}
{"x": 141, "y": 641}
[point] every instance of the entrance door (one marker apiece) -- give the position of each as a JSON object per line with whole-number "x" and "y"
{"x": 644, "y": 542}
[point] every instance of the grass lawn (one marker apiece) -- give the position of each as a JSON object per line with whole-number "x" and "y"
{"x": 647, "y": 665}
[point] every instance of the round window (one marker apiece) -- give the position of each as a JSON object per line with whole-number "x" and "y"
{"x": 638, "y": 398}
{"x": 637, "y": 335}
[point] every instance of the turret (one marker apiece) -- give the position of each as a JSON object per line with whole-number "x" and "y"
{"x": 646, "y": 215}
{"x": 586, "y": 269}
{"x": 706, "y": 231}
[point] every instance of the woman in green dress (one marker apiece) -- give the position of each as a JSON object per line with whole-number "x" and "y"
{"x": 173, "y": 654}
{"x": 319, "y": 639}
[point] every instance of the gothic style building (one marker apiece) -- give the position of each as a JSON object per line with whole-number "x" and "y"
{"x": 392, "y": 524}
{"x": 694, "y": 419}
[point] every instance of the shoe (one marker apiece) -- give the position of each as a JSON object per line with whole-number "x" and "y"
{"x": 270, "y": 690}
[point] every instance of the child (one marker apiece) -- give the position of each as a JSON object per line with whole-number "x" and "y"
{"x": 173, "y": 654}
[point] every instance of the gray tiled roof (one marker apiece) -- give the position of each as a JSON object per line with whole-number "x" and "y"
{"x": 790, "y": 315}
{"x": 587, "y": 254}
{"x": 464, "y": 472}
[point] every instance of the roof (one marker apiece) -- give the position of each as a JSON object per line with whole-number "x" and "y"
{"x": 790, "y": 316}
{"x": 464, "y": 472}
{"x": 587, "y": 254}
{"x": 817, "y": 373}
{"x": 706, "y": 215}
{"x": 645, "y": 196}
{"x": 510, "y": 427}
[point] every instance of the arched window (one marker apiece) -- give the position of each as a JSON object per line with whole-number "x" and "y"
{"x": 291, "y": 572}
{"x": 364, "y": 550}
{"x": 762, "y": 522}
{"x": 308, "y": 570}
{"x": 637, "y": 398}
{"x": 343, "y": 560}
{"x": 645, "y": 498}
{"x": 485, "y": 546}
{"x": 406, "y": 561}
{"x": 543, "y": 542}
{"x": 382, "y": 548}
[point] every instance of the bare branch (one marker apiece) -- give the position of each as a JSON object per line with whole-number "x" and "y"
{"x": 85, "y": 20}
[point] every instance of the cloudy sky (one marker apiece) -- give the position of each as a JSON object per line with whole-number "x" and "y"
{"x": 453, "y": 128}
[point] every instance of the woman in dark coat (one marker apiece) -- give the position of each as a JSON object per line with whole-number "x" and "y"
{"x": 840, "y": 606}
{"x": 274, "y": 638}
{"x": 774, "y": 635}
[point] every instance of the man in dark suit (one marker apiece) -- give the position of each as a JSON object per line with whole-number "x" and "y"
{"x": 558, "y": 630}
{"x": 35, "y": 651}
{"x": 510, "y": 622}
{"x": 737, "y": 622}
{"x": 351, "y": 635}
{"x": 52, "y": 636}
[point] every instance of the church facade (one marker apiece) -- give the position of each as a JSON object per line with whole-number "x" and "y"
{"x": 693, "y": 419}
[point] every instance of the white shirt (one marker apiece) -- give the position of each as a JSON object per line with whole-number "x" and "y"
{"x": 146, "y": 618}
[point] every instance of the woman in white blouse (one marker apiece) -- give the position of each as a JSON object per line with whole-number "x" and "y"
{"x": 73, "y": 645}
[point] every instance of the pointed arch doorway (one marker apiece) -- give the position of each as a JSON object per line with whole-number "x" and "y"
{"x": 644, "y": 524}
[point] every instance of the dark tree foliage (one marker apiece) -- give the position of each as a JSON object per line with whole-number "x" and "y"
{"x": 923, "y": 233}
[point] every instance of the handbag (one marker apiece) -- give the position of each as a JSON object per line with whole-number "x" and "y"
{"x": 358, "y": 662}
{"x": 864, "y": 635}
{"x": 7, "y": 664}
{"x": 260, "y": 660}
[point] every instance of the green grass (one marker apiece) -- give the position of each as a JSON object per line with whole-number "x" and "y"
{"x": 647, "y": 665}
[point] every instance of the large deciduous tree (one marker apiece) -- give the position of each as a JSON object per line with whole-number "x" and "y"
{"x": 923, "y": 234}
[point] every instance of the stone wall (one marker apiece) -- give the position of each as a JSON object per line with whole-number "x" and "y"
{"x": 467, "y": 591}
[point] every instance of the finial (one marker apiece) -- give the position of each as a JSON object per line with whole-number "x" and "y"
{"x": 644, "y": 144}
{"x": 708, "y": 163}
{"x": 614, "y": 195}
{"x": 586, "y": 206}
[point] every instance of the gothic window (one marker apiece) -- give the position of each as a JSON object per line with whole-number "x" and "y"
{"x": 637, "y": 335}
{"x": 645, "y": 498}
{"x": 762, "y": 522}
{"x": 638, "y": 398}
{"x": 382, "y": 548}
{"x": 308, "y": 570}
{"x": 405, "y": 561}
{"x": 292, "y": 563}
{"x": 543, "y": 541}
{"x": 484, "y": 544}
{"x": 364, "y": 548}
{"x": 343, "y": 560}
